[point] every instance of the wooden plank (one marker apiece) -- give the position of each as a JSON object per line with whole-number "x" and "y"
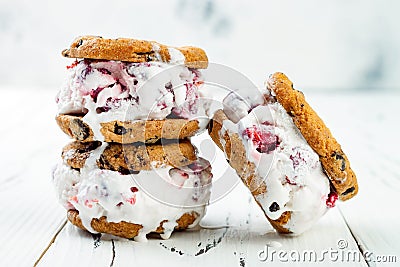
{"x": 30, "y": 215}
{"x": 29, "y": 212}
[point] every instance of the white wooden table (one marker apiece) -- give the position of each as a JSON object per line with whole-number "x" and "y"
{"x": 234, "y": 232}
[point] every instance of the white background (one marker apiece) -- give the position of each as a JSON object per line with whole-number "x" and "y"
{"x": 322, "y": 45}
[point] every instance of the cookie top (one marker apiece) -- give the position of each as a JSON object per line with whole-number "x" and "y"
{"x": 317, "y": 135}
{"x": 132, "y": 50}
{"x": 131, "y": 158}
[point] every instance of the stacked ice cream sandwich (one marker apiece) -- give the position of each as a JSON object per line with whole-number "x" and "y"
{"x": 131, "y": 106}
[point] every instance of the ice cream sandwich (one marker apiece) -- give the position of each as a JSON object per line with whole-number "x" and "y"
{"x": 284, "y": 154}
{"x": 115, "y": 85}
{"x": 153, "y": 188}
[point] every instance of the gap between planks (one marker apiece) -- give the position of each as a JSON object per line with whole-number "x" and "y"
{"x": 360, "y": 246}
{"x": 50, "y": 243}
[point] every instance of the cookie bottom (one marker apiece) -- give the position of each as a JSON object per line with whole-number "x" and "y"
{"x": 126, "y": 229}
{"x": 236, "y": 155}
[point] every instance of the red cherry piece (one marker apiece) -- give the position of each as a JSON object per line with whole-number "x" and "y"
{"x": 134, "y": 189}
{"x": 73, "y": 65}
{"x": 265, "y": 141}
{"x": 331, "y": 200}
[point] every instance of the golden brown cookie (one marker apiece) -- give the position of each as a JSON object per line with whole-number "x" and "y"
{"x": 76, "y": 153}
{"x": 132, "y": 157}
{"x": 149, "y": 131}
{"x": 126, "y": 229}
{"x": 131, "y": 50}
{"x": 317, "y": 135}
{"x": 74, "y": 127}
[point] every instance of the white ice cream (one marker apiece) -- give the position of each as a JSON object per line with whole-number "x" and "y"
{"x": 146, "y": 198}
{"x": 291, "y": 170}
{"x": 113, "y": 90}
{"x": 238, "y": 103}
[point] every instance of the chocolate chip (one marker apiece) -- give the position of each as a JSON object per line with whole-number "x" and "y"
{"x": 291, "y": 113}
{"x": 301, "y": 105}
{"x": 227, "y": 160}
{"x": 274, "y": 207}
{"x": 343, "y": 167}
{"x": 93, "y": 145}
{"x": 86, "y": 147}
{"x": 119, "y": 130}
{"x": 340, "y": 157}
{"x": 81, "y": 150}
{"x": 123, "y": 171}
{"x": 337, "y": 155}
{"x": 82, "y": 132}
{"x": 79, "y": 43}
{"x": 134, "y": 172}
{"x": 210, "y": 126}
{"x": 101, "y": 163}
{"x": 348, "y": 191}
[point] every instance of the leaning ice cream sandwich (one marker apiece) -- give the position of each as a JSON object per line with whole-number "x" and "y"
{"x": 284, "y": 153}
{"x": 132, "y": 190}
{"x": 127, "y": 90}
